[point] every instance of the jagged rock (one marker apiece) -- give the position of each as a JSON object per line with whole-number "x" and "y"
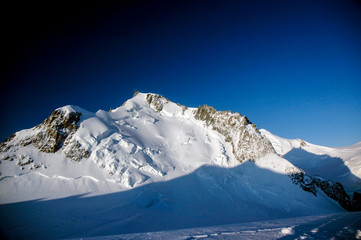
{"x": 247, "y": 143}
{"x": 304, "y": 181}
{"x": 356, "y": 196}
{"x": 333, "y": 190}
{"x": 135, "y": 93}
{"x": 8, "y": 158}
{"x": 25, "y": 162}
{"x": 302, "y": 143}
{"x": 5, "y": 145}
{"x": 156, "y": 101}
{"x": 356, "y": 201}
{"x": 54, "y": 130}
{"x": 51, "y": 135}
{"x": 75, "y": 151}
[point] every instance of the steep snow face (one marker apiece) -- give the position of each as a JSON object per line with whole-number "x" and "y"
{"x": 342, "y": 164}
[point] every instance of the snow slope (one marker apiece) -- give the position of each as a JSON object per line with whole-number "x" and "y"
{"x": 149, "y": 165}
{"x": 342, "y": 164}
{"x": 331, "y": 226}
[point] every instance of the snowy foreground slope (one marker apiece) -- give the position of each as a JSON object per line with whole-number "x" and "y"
{"x": 330, "y": 226}
{"x": 151, "y": 165}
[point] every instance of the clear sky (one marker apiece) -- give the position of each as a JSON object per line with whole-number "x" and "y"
{"x": 292, "y": 67}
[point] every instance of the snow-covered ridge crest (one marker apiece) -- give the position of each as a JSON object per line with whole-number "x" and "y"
{"x": 283, "y": 145}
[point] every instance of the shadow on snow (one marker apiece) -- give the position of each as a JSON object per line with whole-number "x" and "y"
{"x": 325, "y": 166}
{"x": 208, "y": 196}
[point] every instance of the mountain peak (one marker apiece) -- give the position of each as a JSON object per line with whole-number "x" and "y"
{"x": 147, "y": 139}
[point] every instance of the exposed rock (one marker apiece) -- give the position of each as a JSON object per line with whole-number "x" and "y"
{"x": 25, "y": 161}
{"x": 302, "y": 143}
{"x": 356, "y": 196}
{"x": 74, "y": 151}
{"x": 51, "y": 135}
{"x": 53, "y": 131}
{"x": 5, "y": 145}
{"x": 135, "y": 93}
{"x": 247, "y": 143}
{"x": 333, "y": 190}
{"x": 156, "y": 101}
{"x": 8, "y": 158}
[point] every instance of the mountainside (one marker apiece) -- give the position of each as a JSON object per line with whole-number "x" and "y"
{"x": 341, "y": 164}
{"x": 152, "y": 165}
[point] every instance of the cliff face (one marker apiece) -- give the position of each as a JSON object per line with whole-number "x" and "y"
{"x": 54, "y": 133}
{"x": 247, "y": 143}
{"x": 333, "y": 190}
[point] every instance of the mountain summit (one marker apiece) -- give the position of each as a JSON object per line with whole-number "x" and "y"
{"x": 146, "y": 138}
{"x": 191, "y": 166}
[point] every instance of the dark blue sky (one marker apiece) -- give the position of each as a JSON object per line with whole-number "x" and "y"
{"x": 293, "y": 67}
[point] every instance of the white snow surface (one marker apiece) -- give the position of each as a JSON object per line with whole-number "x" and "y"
{"x": 149, "y": 171}
{"x": 331, "y": 226}
{"x": 342, "y": 164}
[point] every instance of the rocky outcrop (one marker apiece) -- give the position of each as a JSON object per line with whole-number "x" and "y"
{"x": 74, "y": 150}
{"x": 333, "y": 190}
{"x": 52, "y": 134}
{"x": 6, "y": 144}
{"x": 53, "y": 131}
{"x": 156, "y": 101}
{"x": 247, "y": 142}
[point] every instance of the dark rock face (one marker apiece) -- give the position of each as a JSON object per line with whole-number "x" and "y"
{"x": 5, "y": 145}
{"x": 357, "y": 201}
{"x": 247, "y": 142}
{"x": 52, "y": 134}
{"x": 332, "y": 189}
{"x": 357, "y": 196}
{"x": 53, "y": 131}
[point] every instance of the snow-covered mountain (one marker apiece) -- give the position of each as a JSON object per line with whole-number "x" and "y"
{"x": 341, "y": 164}
{"x": 152, "y": 165}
